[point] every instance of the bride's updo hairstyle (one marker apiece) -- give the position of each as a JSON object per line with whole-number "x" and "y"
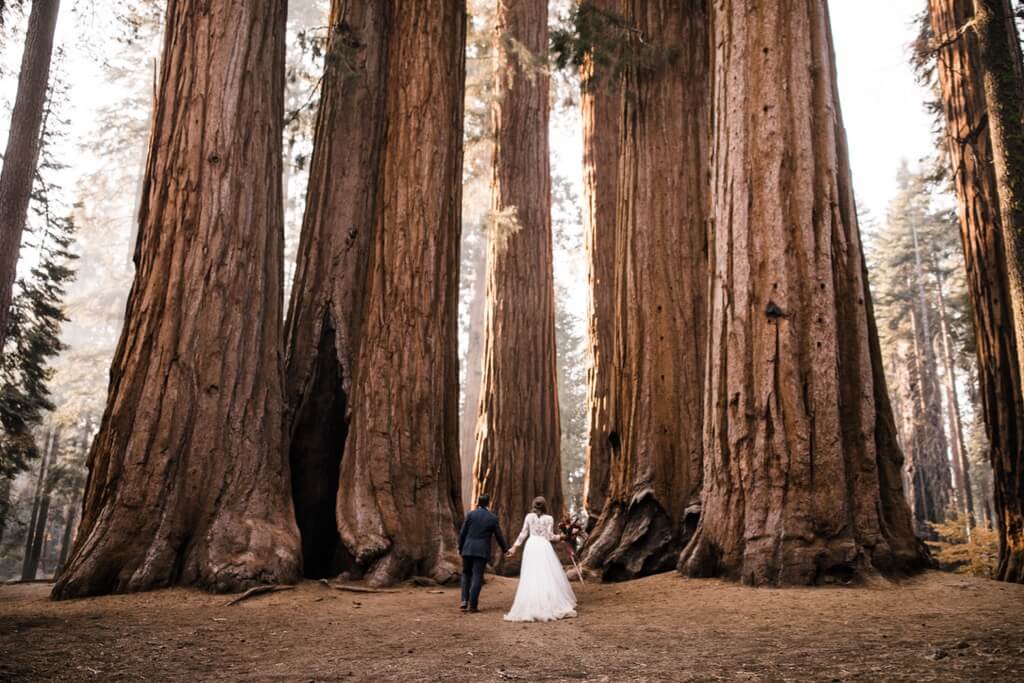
{"x": 540, "y": 506}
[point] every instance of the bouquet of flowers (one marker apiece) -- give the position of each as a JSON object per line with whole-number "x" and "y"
{"x": 574, "y": 537}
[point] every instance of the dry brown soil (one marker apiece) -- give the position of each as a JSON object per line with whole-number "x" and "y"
{"x": 934, "y": 627}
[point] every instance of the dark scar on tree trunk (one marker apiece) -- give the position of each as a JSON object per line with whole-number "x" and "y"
{"x": 317, "y": 447}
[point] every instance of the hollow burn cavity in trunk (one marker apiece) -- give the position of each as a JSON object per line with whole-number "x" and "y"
{"x": 317, "y": 445}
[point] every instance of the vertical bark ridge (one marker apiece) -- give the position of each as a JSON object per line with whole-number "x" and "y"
{"x": 660, "y": 305}
{"x": 970, "y": 148}
{"x": 518, "y": 432}
{"x": 325, "y": 314}
{"x": 802, "y": 470}
{"x": 601, "y": 111}
{"x": 188, "y": 478}
{"x": 399, "y": 498}
{"x": 999, "y": 53}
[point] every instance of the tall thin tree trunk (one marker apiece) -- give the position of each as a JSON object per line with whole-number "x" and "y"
{"x": 28, "y": 569}
{"x": 518, "y": 433}
{"x": 601, "y": 110}
{"x": 961, "y": 465}
{"x": 39, "y": 537}
{"x": 802, "y": 468}
{"x": 988, "y": 504}
{"x": 985, "y": 256}
{"x": 67, "y": 536}
{"x": 474, "y": 375}
{"x": 399, "y": 503}
{"x": 660, "y": 299}
{"x": 325, "y": 316}
{"x": 5, "y": 505}
{"x": 904, "y": 413}
{"x": 931, "y": 461}
{"x": 19, "y": 162}
{"x": 188, "y": 477}
{"x": 71, "y": 511}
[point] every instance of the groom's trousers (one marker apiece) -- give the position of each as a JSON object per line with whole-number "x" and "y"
{"x": 472, "y": 578}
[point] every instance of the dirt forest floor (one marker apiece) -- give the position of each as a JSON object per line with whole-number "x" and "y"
{"x": 665, "y": 628}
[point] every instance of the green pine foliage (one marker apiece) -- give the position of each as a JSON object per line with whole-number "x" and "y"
{"x": 895, "y": 279}
{"x": 33, "y": 334}
{"x": 608, "y": 42}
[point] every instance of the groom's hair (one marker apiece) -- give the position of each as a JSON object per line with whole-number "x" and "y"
{"x": 484, "y": 500}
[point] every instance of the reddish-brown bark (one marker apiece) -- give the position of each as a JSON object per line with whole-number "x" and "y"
{"x": 802, "y": 469}
{"x": 601, "y": 111}
{"x": 399, "y": 499}
{"x": 518, "y": 438}
{"x": 971, "y": 154}
{"x": 660, "y": 262}
{"x": 325, "y": 315}
{"x": 188, "y": 479}
{"x": 999, "y": 53}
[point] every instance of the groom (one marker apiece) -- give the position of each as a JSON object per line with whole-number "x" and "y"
{"x": 475, "y": 548}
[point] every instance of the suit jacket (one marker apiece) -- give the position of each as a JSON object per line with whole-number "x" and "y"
{"x": 475, "y": 536}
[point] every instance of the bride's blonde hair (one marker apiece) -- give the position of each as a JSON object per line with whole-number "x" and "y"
{"x": 540, "y": 506}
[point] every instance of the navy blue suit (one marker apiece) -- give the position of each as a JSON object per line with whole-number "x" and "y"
{"x": 475, "y": 547}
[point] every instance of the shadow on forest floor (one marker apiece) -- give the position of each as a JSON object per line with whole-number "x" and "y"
{"x": 935, "y": 627}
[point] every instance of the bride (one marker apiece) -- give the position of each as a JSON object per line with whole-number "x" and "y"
{"x": 544, "y": 593}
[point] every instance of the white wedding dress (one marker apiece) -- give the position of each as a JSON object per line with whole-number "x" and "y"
{"x": 544, "y": 593}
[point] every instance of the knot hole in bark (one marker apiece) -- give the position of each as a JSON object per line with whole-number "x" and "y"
{"x": 773, "y": 311}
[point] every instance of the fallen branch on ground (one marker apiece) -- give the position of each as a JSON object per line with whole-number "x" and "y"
{"x": 257, "y": 590}
{"x": 360, "y": 589}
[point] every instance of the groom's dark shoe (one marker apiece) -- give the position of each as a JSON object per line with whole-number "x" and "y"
{"x": 473, "y": 610}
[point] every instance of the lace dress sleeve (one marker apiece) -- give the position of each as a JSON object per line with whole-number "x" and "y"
{"x": 525, "y": 532}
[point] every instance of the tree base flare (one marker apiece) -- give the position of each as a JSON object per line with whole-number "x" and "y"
{"x": 796, "y": 563}
{"x": 1011, "y": 564}
{"x": 637, "y": 539}
{"x": 233, "y": 557}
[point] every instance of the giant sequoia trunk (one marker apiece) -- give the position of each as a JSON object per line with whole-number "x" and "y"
{"x": 1000, "y": 58}
{"x": 802, "y": 469}
{"x": 660, "y": 299}
{"x": 970, "y": 146}
{"x": 399, "y": 500}
{"x": 601, "y": 109}
{"x": 19, "y": 160}
{"x": 326, "y": 310}
{"x": 188, "y": 479}
{"x": 517, "y": 456}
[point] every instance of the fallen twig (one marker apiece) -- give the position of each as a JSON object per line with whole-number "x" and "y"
{"x": 360, "y": 589}
{"x": 257, "y": 590}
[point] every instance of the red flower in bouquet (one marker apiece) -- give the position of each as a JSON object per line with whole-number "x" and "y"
{"x": 574, "y": 537}
{"x": 572, "y": 533}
